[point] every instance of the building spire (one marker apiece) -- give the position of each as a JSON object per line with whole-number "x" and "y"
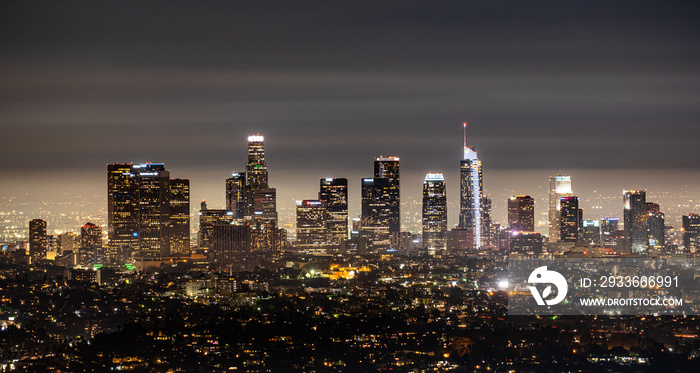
{"x": 465, "y": 133}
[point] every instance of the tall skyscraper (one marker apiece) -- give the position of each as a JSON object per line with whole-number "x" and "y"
{"x": 521, "y": 213}
{"x": 256, "y": 202}
{"x": 609, "y": 231}
{"x": 146, "y": 210}
{"x": 376, "y": 211}
{"x": 487, "y": 227}
{"x": 559, "y": 186}
{"x": 236, "y": 196}
{"x": 37, "y": 238}
{"x": 122, "y": 207}
{"x": 635, "y": 215}
{"x": 691, "y": 233}
{"x": 571, "y": 219}
{"x": 471, "y": 193}
{"x": 334, "y": 193}
{"x": 656, "y": 231}
{"x": 388, "y": 168}
{"x": 154, "y": 210}
{"x": 434, "y": 212}
{"x": 179, "y": 230}
{"x": 256, "y": 168}
{"x": 311, "y": 227}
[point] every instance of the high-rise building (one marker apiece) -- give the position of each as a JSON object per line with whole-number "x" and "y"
{"x": 487, "y": 227}
{"x": 334, "y": 193}
{"x": 635, "y": 214}
{"x": 388, "y": 168}
{"x": 90, "y": 236}
{"x": 521, "y": 213}
{"x": 68, "y": 241}
{"x": 434, "y": 212}
{"x": 656, "y": 231}
{"x": 236, "y": 196}
{"x": 228, "y": 241}
{"x": 311, "y": 227}
{"x": 154, "y": 210}
{"x": 256, "y": 168}
{"x": 259, "y": 201}
{"x": 609, "y": 228}
{"x": 122, "y": 207}
{"x": 590, "y": 232}
{"x": 571, "y": 219}
{"x": 37, "y": 238}
{"x": 179, "y": 229}
{"x": 208, "y": 218}
{"x": 691, "y": 233}
{"x": 559, "y": 186}
{"x": 471, "y": 193}
{"x": 376, "y": 212}
{"x": 146, "y": 210}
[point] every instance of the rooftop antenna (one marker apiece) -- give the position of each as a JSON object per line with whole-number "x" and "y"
{"x": 465, "y": 133}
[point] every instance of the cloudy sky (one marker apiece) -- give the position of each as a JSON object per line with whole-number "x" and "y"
{"x": 547, "y": 86}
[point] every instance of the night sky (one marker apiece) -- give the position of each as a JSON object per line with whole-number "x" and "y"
{"x": 546, "y": 86}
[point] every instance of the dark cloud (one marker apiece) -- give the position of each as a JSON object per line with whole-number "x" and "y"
{"x": 544, "y": 85}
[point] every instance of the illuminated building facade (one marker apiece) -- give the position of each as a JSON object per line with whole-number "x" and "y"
{"x": 250, "y": 199}
{"x": 388, "y": 168}
{"x": 228, "y": 241}
{"x": 559, "y": 186}
{"x": 37, "y": 238}
{"x": 590, "y": 232}
{"x": 487, "y": 226}
{"x": 146, "y": 210}
{"x": 609, "y": 228}
{"x": 656, "y": 227}
{"x": 90, "y": 235}
{"x": 256, "y": 168}
{"x": 691, "y": 233}
{"x": 376, "y": 196}
{"x": 311, "y": 226}
{"x": 635, "y": 215}
{"x": 154, "y": 215}
{"x": 334, "y": 193}
{"x": 434, "y": 212}
{"x": 571, "y": 219}
{"x": 208, "y": 218}
{"x": 179, "y": 230}
{"x": 122, "y": 207}
{"x": 525, "y": 243}
{"x": 236, "y": 196}
{"x": 471, "y": 195}
{"x": 521, "y": 213}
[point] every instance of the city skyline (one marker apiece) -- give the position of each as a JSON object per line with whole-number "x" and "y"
{"x": 405, "y": 186}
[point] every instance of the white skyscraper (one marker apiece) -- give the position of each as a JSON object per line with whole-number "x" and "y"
{"x": 471, "y": 193}
{"x": 559, "y": 186}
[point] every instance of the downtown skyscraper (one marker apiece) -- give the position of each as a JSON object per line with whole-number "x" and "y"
{"x": 381, "y": 201}
{"x": 635, "y": 220}
{"x": 521, "y": 213}
{"x": 559, "y": 186}
{"x": 146, "y": 210}
{"x": 253, "y": 203}
{"x": 434, "y": 212}
{"x": 471, "y": 190}
{"x": 334, "y": 193}
{"x": 388, "y": 168}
